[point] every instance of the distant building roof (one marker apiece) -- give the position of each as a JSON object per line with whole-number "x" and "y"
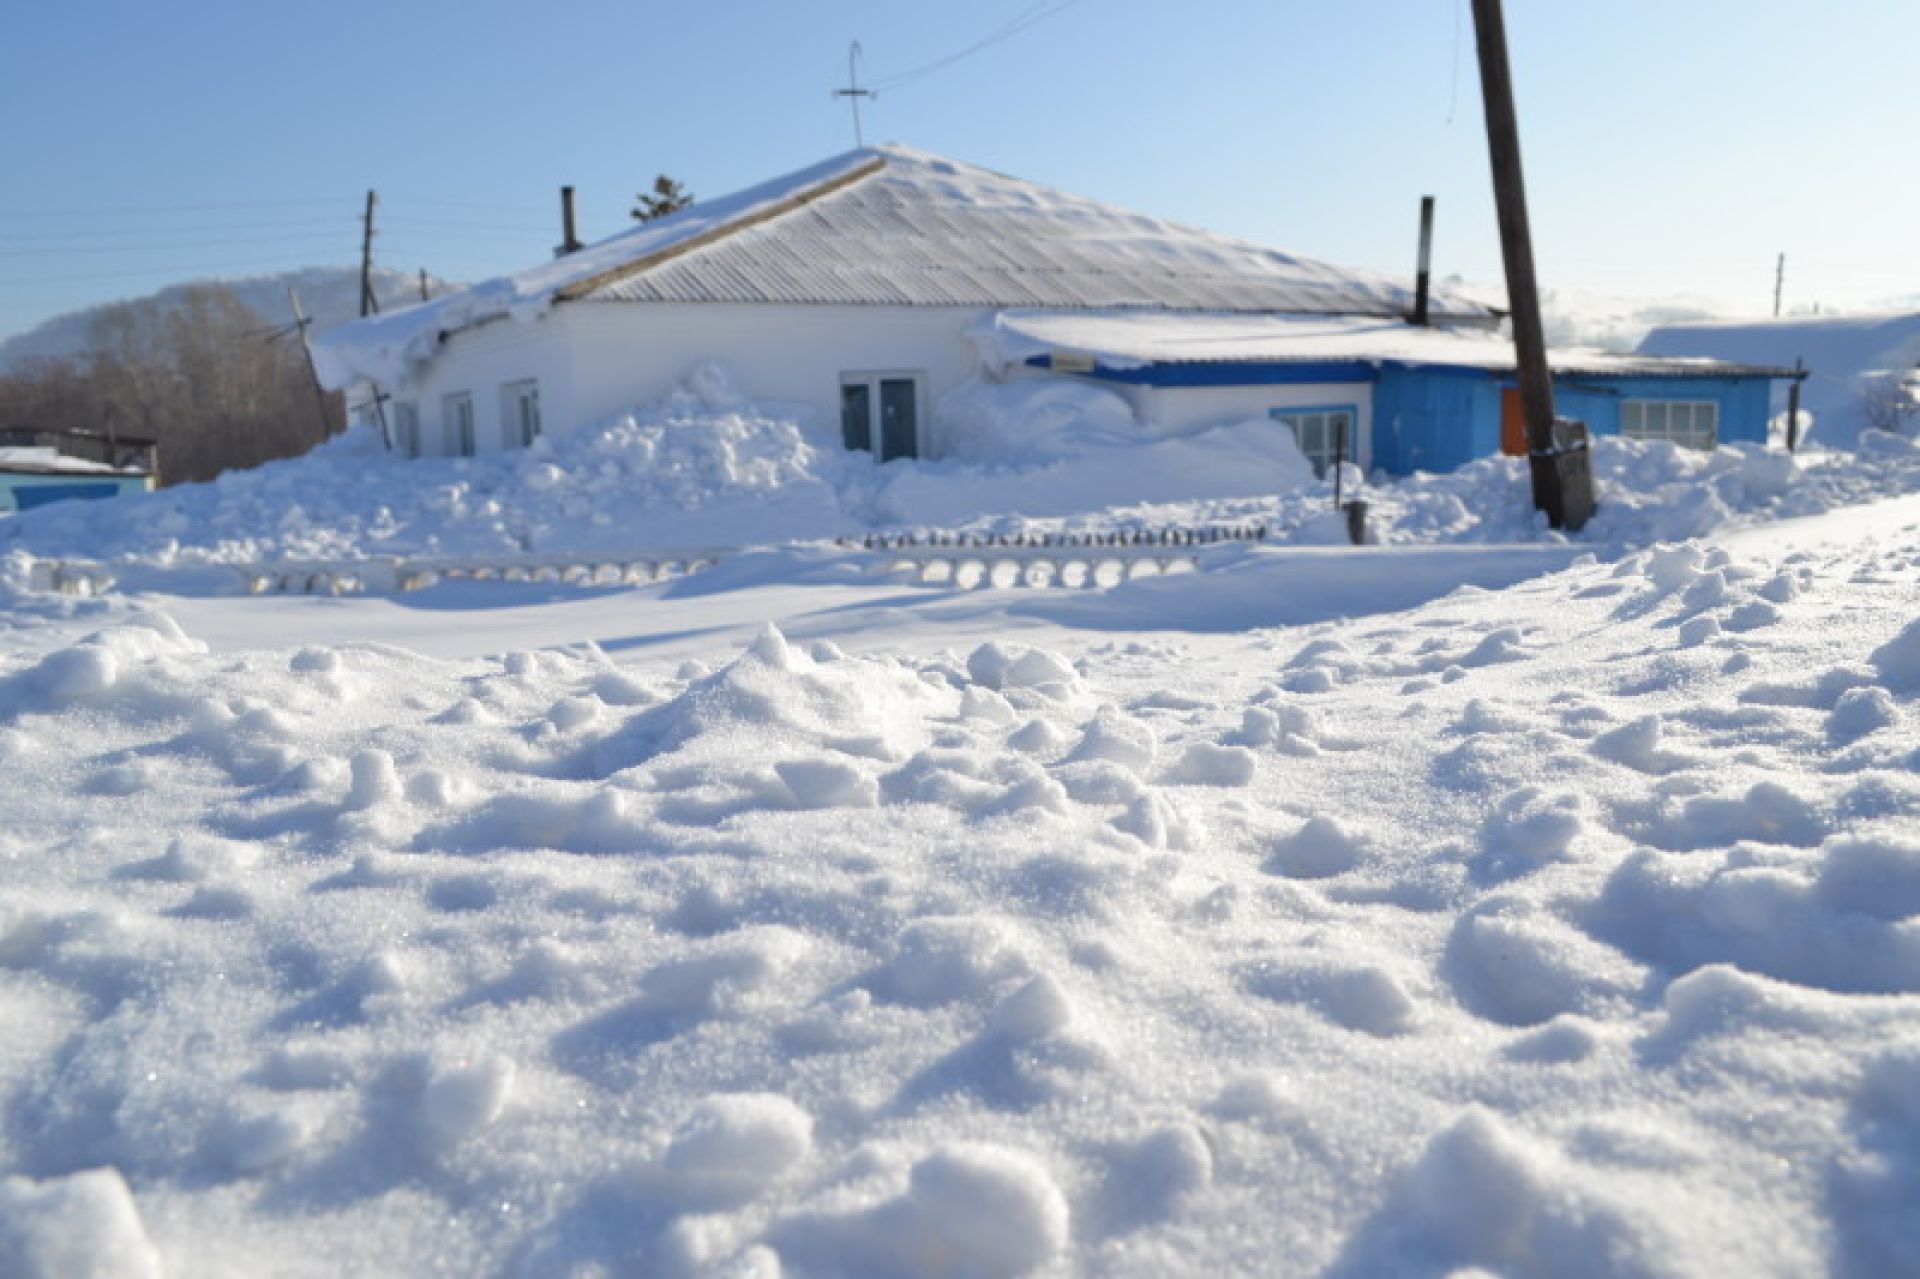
{"x": 890, "y": 226}
{"x": 1120, "y": 341}
{"x": 47, "y": 461}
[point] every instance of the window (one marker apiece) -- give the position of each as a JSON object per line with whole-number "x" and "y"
{"x": 882, "y": 409}
{"x": 406, "y": 428}
{"x": 1693, "y": 423}
{"x": 456, "y": 419}
{"x": 520, "y": 412}
{"x": 1322, "y": 434}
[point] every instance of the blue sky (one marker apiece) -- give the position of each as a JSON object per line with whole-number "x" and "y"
{"x": 1670, "y": 146}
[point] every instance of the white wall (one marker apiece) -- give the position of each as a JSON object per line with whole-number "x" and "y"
{"x": 628, "y": 353}
{"x": 482, "y": 361}
{"x": 596, "y": 360}
{"x": 1182, "y": 410}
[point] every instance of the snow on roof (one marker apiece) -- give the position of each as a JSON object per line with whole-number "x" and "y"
{"x": 1133, "y": 339}
{"x": 892, "y": 226}
{"x": 1839, "y": 351}
{"x": 47, "y": 461}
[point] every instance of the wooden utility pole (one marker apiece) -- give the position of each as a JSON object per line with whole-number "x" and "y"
{"x": 1793, "y": 406}
{"x": 300, "y": 323}
{"x": 1562, "y": 482}
{"x": 853, "y": 92}
{"x": 369, "y": 304}
{"x": 423, "y": 284}
{"x": 1779, "y": 279}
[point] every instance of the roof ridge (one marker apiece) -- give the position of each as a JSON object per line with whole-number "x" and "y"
{"x": 750, "y": 218}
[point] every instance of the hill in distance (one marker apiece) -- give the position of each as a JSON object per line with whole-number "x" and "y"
{"x": 331, "y": 295}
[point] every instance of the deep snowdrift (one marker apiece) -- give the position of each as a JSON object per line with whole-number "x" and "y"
{"x": 1562, "y": 930}
{"x": 709, "y": 469}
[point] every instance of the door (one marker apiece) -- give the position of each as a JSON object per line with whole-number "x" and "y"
{"x": 856, "y": 415}
{"x": 880, "y": 414}
{"x": 899, "y": 431}
{"x": 1513, "y": 423}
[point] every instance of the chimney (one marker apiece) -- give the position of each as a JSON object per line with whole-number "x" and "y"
{"x": 569, "y": 242}
{"x": 1423, "y": 280}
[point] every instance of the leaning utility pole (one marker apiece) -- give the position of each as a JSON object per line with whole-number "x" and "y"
{"x": 368, "y": 302}
{"x": 300, "y": 323}
{"x": 1562, "y": 471}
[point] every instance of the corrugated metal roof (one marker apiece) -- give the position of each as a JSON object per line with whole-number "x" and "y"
{"x": 923, "y": 231}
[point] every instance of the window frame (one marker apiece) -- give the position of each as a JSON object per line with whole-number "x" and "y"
{"x": 1640, "y": 411}
{"x": 1324, "y": 463}
{"x": 513, "y": 428}
{"x": 456, "y": 429}
{"x": 406, "y": 428}
{"x": 872, "y": 380}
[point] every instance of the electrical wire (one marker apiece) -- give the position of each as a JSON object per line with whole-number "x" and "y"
{"x": 1033, "y": 13}
{"x": 93, "y": 233}
{"x": 255, "y": 267}
{"x": 300, "y": 237}
{"x": 129, "y": 210}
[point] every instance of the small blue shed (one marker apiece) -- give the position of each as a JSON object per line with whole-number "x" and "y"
{"x": 1385, "y": 393}
{"x": 33, "y": 477}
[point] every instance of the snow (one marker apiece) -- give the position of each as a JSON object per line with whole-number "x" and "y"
{"x": 50, "y": 460}
{"x": 1122, "y": 340}
{"x": 1843, "y": 354}
{"x": 1474, "y": 901}
{"x": 707, "y": 469}
{"x": 387, "y": 348}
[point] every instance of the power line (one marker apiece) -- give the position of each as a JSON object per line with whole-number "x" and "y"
{"x": 92, "y": 233}
{"x": 306, "y": 237}
{"x": 169, "y": 208}
{"x": 410, "y": 220}
{"x": 254, "y": 266}
{"x": 1037, "y": 12}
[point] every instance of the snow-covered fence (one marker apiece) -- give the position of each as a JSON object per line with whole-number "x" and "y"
{"x": 392, "y": 576}
{"x": 1071, "y": 560}
{"x": 70, "y": 577}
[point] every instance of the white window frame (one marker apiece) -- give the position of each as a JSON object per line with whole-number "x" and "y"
{"x": 871, "y": 379}
{"x": 406, "y": 428}
{"x": 1313, "y": 432}
{"x": 518, "y": 427}
{"x": 1689, "y": 423}
{"x": 456, "y": 423}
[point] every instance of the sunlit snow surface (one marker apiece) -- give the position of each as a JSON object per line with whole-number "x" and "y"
{"x": 1566, "y": 928}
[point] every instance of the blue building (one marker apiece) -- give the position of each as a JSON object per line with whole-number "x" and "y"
{"x": 40, "y": 467}
{"x": 1382, "y": 392}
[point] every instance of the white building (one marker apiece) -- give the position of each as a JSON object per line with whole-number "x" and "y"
{"x": 856, "y": 286}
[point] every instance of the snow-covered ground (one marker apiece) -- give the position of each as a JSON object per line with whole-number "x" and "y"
{"x": 710, "y": 469}
{"x": 1566, "y": 927}
{"x": 1478, "y": 898}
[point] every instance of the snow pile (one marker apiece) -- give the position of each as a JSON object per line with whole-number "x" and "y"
{"x": 707, "y": 468}
{"x": 1848, "y": 359}
{"x": 703, "y": 468}
{"x": 993, "y": 422}
{"x": 1561, "y": 927}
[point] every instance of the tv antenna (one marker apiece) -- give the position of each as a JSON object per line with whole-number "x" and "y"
{"x": 853, "y": 92}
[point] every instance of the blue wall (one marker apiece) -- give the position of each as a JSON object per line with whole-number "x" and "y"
{"x": 20, "y": 492}
{"x": 1434, "y": 419}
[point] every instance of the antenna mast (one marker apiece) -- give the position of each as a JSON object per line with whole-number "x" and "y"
{"x": 853, "y": 92}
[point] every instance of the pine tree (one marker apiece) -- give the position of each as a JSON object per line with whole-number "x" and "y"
{"x": 667, "y": 196}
